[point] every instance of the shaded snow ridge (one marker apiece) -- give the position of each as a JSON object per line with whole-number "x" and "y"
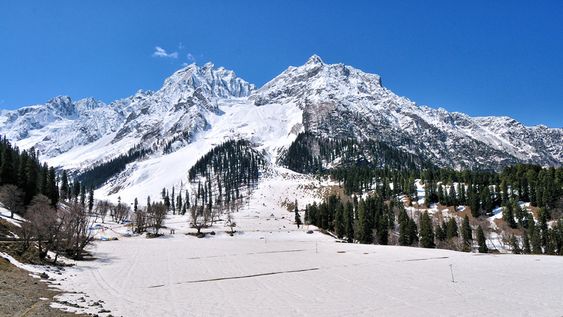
{"x": 200, "y": 107}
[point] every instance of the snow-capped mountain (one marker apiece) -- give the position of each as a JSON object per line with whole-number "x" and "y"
{"x": 199, "y": 107}
{"x": 60, "y": 125}
{"x": 77, "y": 135}
{"x": 341, "y": 101}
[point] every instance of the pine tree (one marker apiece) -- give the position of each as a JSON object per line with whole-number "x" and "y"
{"x": 441, "y": 234}
{"x": 550, "y": 245}
{"x": 364, "y": 230}
{"x": 339, "y": 224}
{"x": 441, "y": 196}
{"x": 515, "y": 245}
{"x": 65, "y": 189}
{"x": 486, "y": 201}
{"x": 466, "y": 233}
{"x": 536, "y": 240}
{"x": 297, "y": 216}
{"x": 82, "y": 195}
{"x": 426, "y": 231}
{"x": 179, "y": 202}
{"x": 404, "y": 234}
{"x": 543, "y": 218}
{"x": 172, "y": 202}
{"x": 413, "y": 232}
{"x": 166, "y": 200}
{"x": 452, "y": 196}
{"x": 383, "y": 230}
{"x": 474, "y": 203}
{"x": 349, "y": 221}
{"x": 451, "y": 231}
{"x": 90, "y": 199}
{"x": 462, "y": 196}
{"x": 135, "y": 205}
{"x": 508, "y": 215}
{"x": 481, "y": 240}
{"x": 527, "y": 249}
{"x": 53, "y": 190}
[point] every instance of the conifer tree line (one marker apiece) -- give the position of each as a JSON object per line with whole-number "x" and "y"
{"x": 380, "y": 218}
{"x": 483, "y": 191}
{"x": 56, "y": 210}
{"x": 185, "y": 136}
{"x": 218, "y": 182}
{"x": 225, "y": 170}
{"x": 222, "y": 177}
{"x": 99, "y": 174}
{"x": 370, "y": 220}
{"x": 24, "y": 176}
{"x": 308, "y": 153}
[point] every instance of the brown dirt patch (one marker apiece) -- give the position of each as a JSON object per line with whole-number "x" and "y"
{"x": 21, "y": 294}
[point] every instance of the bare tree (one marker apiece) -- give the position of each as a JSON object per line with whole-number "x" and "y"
{"x": 198, "y": 218}
{"x": 230, "y": 222}
{"x": 102, "y": 209}
{"x": 215, "y": 212}
{"x": 64, "y": 230}
{"x": 158, "y": 214}
{"x": 25, "y": 232}
{"x": 140, "y": 219}
{"x": 77, "y": 230}
{"x": 46, "y": 226}
{"x": 11, "y": 198}
{"x": 121, "y": 212}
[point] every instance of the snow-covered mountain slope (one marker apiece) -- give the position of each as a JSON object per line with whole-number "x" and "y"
{"x": 341, "y": 101}
{"x": 269, "y": 128}
{"x": 60, "y": 125}
{"x": 77, "y": 135}
{"x": 199, "y": 107}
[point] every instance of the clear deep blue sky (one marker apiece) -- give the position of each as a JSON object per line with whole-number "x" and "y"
{"x": 480, "y": 57}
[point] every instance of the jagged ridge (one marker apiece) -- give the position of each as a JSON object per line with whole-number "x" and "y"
{"x": 330, "y": 101}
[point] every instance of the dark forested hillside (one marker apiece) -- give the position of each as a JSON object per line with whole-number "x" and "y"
{"x": 311, "y": 154}
{"x": 530, "y": 198}
{"x": 227, "y": 169}
{"x": 23, "y": 170}
{"x": 99, "y": 174}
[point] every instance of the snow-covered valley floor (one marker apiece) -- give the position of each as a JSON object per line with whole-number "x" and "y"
{"x": 271, "y": 268}
{"x": 295, "y": 274}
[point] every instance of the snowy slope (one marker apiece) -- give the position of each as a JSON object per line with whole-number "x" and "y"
{"x": 250, "y": 277}
{"x": 341, "y": 101}
{"x": 270, "y": 128}
{"x": 199, "y": 107}
{"x": 270, "y": 267}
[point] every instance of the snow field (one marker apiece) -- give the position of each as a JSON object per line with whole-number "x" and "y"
{"x": 183, "y": 275}
{"x": 269, "y": 267}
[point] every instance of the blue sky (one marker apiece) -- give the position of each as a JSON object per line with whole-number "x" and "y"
{"x": 478, "y": 57}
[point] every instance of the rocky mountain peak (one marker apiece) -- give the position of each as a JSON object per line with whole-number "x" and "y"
{"x": 334, "y": 101}
{"x": 314, "y": 60}
{"x": 63, "y": 105}
{"x": 216, "y": 82}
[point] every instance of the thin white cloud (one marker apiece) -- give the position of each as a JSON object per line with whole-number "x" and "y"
{"x": 160, "y": 52}
{"x": 191, "y": 57}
